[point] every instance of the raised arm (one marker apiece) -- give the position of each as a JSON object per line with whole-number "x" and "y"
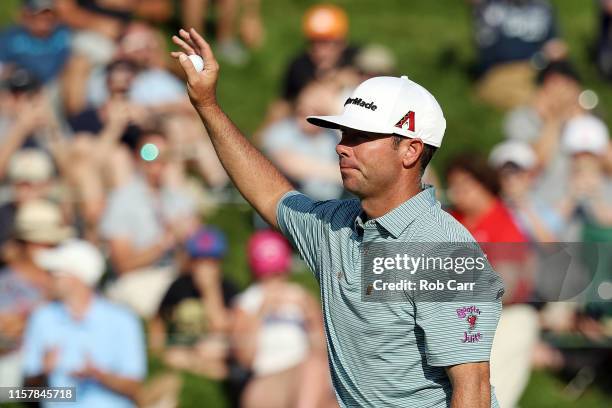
{"x": 261, "y": 184}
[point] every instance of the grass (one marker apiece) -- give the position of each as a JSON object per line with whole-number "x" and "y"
{"x": 421, "y": 33}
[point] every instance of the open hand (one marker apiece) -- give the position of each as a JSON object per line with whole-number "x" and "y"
{"x": 201, "y": 86}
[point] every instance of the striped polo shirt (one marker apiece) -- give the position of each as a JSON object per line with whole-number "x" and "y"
{"x": 385, "y": 354}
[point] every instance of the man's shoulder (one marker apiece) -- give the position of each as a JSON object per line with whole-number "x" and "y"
{"x": 437, "y": 225}
{"x": 114, "y": 312}
{"x": 12, "y": 31}
{"x": 47, "y": 313}
{"x": 130, "y": 194}
{"x": 337, "y": 212}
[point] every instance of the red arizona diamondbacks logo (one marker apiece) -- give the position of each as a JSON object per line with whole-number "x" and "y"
{"x": 409, "y": 119}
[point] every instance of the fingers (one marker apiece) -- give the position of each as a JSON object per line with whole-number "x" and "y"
{"x": 184, "y": 34}
{"x": 187, "y": 66}
{"x": 203, "y": 46}
{"x": 186, "y": 47}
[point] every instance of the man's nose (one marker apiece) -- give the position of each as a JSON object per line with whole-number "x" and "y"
{"x": 343, "y": 150}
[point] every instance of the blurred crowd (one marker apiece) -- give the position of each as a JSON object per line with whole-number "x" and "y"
{"x": 107, "y": 175}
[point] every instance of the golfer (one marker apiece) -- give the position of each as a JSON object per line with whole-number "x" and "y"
{"x": 381, "y": 354}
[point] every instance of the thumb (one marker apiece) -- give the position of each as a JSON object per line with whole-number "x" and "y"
{"x": 187, "y": 66}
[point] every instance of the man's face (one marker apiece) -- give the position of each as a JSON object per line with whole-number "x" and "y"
{"x": 326, "y": 53}
{"x": 515, "y": 182}
{"x": 27, "y": 191}
{"x": 65, "y": 286}
{"x": 153, "y": 158}
{"x": 119, "y": 80}
{"x": 369, "y": 163}
{"x": 40, "y": 24}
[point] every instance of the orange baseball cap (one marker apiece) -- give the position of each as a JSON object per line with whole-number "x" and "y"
{"x": 325, "y": 22}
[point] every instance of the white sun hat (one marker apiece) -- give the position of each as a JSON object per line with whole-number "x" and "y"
{"x": 585, "y": 134}
{"x": 390, "y": 105}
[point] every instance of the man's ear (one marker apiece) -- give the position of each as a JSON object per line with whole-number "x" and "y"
{"x": 411, "y": 151}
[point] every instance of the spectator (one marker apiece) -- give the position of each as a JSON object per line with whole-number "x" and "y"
{"x": 588, "y": 189}
{"x": 82, "y": 340}
{"x": 191, "y": 325}
{"x": 326, "y": 56}
{"x": 474, "y": 190}
{"x": 39, "y": 44}
{"x": 144, "y": 220}
{"x": 540, "y": 123}
{"x": 26, "y": 118}
{"x": 30, "y": 174}
{"x": 100, "y": 152}
{"x": 304, "y": 152}
{"x": 508, "y": 34}
{"x": 278, "y": 333}
{"x": 516, "y": 163}
{"x": 23, "y": 284}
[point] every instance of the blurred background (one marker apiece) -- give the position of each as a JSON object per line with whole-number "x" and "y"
{"x": 133, "y": 270}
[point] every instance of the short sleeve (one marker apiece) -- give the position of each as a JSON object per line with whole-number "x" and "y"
{"x": 457, "y": 333}
{"x": 133, "y": 361}
{"x": 303, "y": 221}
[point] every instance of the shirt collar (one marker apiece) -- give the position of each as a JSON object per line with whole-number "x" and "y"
{"x": 398, "y": 219}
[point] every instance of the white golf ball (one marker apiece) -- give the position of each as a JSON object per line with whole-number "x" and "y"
{"x": 197, "y": 62}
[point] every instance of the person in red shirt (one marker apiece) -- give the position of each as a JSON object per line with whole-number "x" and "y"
{"x": 473, "y": 189}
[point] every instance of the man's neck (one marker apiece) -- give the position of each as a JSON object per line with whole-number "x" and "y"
{"x": 79, "y": 304}
{"x": 380, "y": 205}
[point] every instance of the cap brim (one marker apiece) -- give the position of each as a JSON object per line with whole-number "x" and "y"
{"x": 54, "y": 236}
{"x": 342, "y": 121}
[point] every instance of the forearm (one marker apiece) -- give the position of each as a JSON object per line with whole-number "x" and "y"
{"x": 77, "y": 17}
{"x": 14, "y": 139}
{"x": 134, "y": 259}
{"x": 471, "y": 385}
{"x": 476, "y": 396}
{"x": 121, "y": 385}
{"x": 547, "y": 142}
{"x": 261, "y": 184}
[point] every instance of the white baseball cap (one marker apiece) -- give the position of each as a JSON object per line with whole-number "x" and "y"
{"x": 390, "y": 105}
{"x": 585, "y": 134}
{"x": 513, "y": 151}
{"x": 75, "y": 257}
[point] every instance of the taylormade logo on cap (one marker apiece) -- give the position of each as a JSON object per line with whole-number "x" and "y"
{"x": 402, "y": 107}
{"x": 361, "y": 102}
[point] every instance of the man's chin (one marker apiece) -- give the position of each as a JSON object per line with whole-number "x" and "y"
{"x": 352, "y": 187}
